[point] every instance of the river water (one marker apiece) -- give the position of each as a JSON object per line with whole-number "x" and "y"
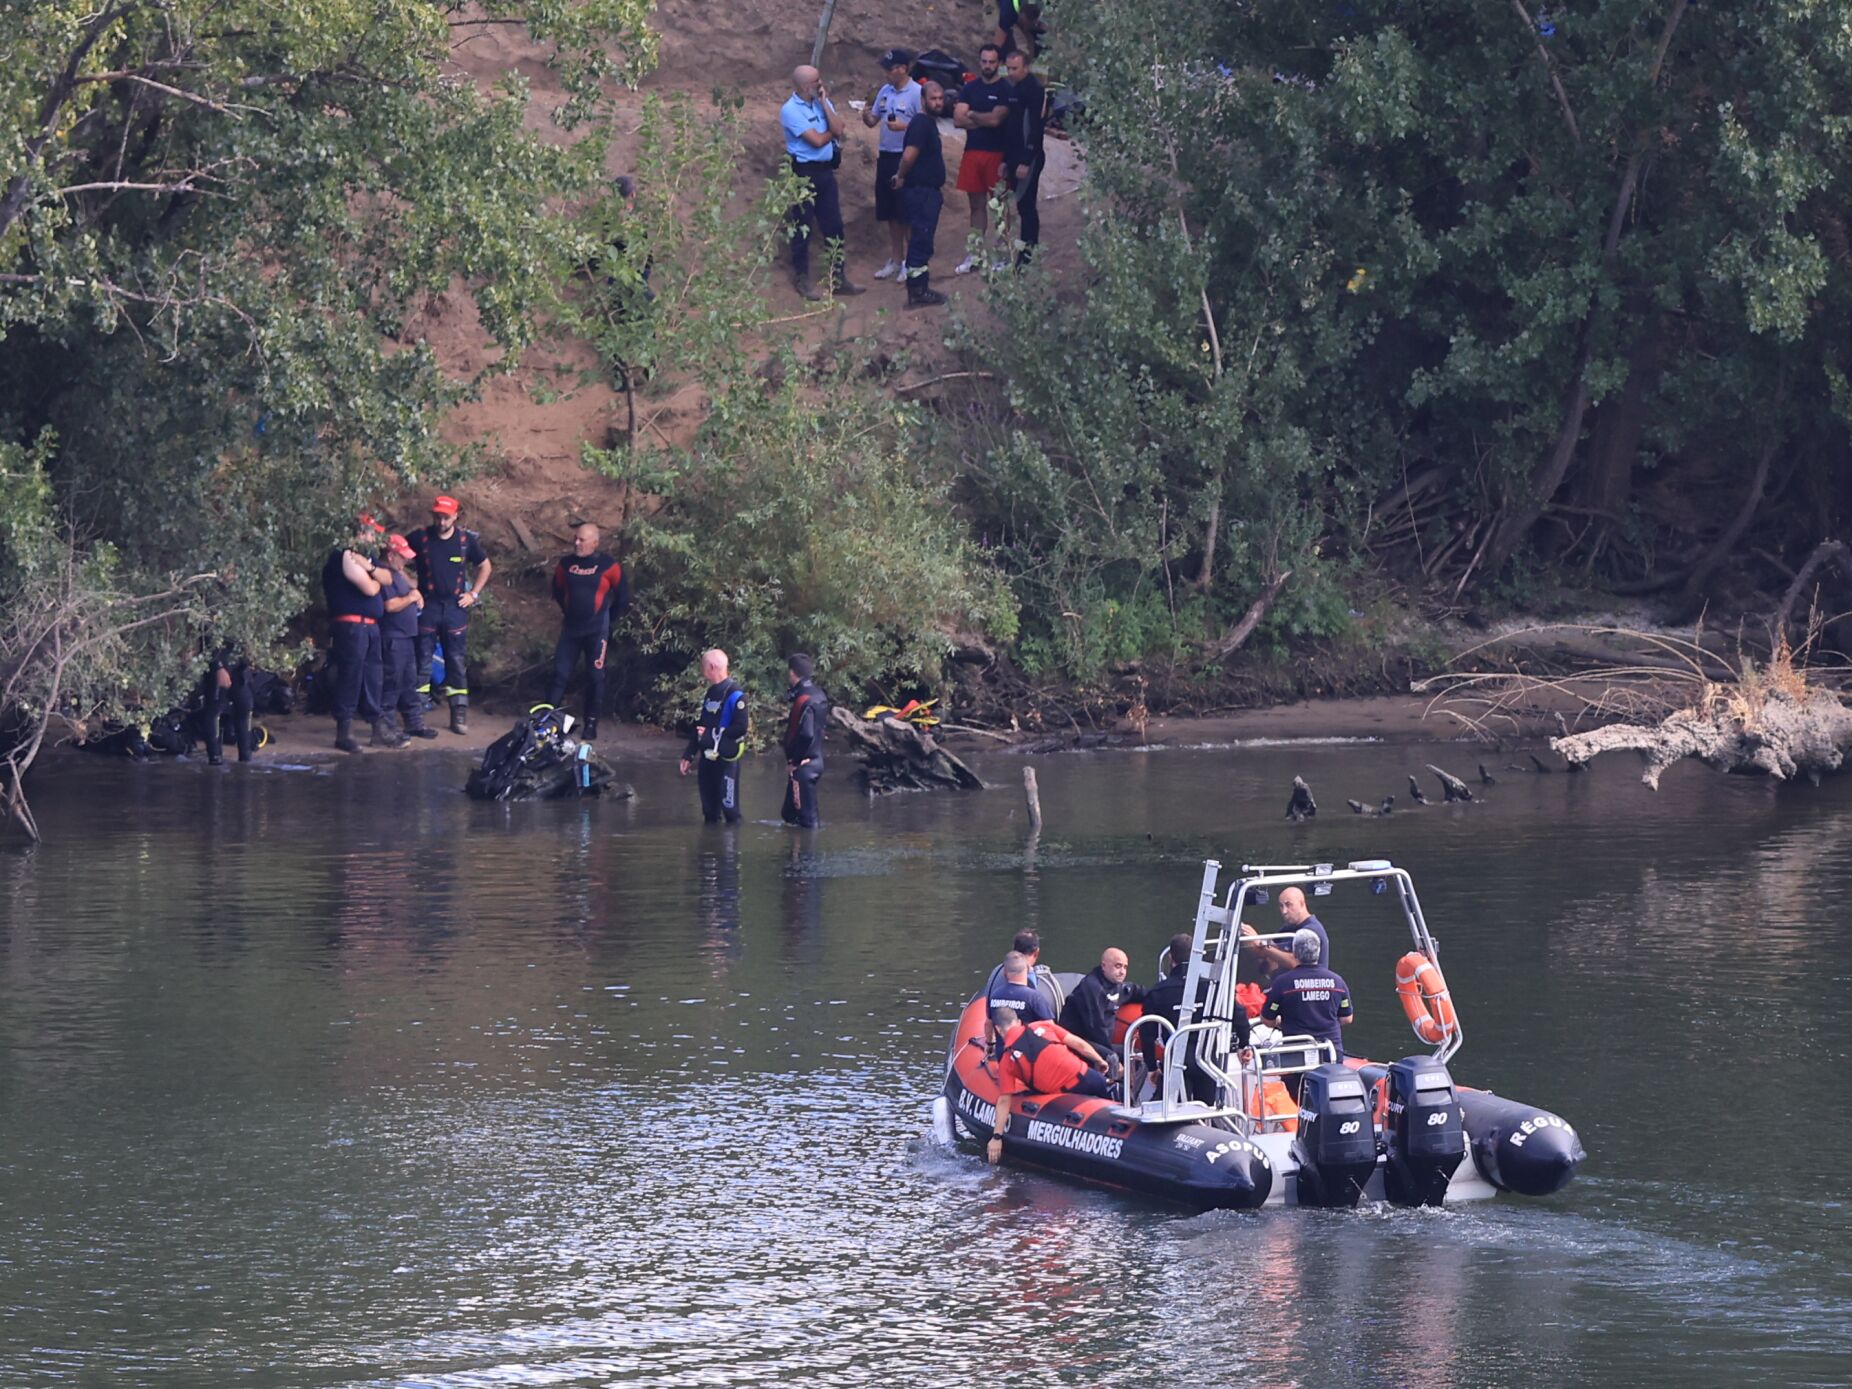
{"x": 331, "y": 1077}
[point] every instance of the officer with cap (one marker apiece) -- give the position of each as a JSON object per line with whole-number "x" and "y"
{"x": 398, "y": 639}
{"x": 894, "y": 106}
{"x": 445, "y": 551}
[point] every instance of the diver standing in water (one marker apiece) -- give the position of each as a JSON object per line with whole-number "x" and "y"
{"x": 803, "y": 744}
{"x": 227, "y": 682}
{"x": 719, "y": 741}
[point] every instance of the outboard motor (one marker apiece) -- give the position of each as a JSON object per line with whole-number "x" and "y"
{"x": 1335, "y": 1145}
{"x": 1422, "y": 1132}
{"x": 1518, "y": 1147}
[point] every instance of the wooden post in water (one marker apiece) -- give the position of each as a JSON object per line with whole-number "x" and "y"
{"x": 1035, "y": 799}
{"x": 823, "y": 33}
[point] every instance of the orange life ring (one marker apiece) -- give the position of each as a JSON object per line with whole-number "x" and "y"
{"x": 1425, "y": 998}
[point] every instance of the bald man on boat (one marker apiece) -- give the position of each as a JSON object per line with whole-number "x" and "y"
{"x": 1094, "y": 1005}
{"x": 1297, "y": 917}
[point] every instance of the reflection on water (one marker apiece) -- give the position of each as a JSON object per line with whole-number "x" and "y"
{"x": 343, "y": 1080}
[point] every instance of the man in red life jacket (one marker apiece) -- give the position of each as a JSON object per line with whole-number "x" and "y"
{"x": 1041, "y": 1058}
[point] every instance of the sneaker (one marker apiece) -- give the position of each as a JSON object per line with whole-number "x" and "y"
{"x": 965, "y": 266}
{"x": 997, "y": 267}
{"x": 925, "y": 299}
{"x": 889, "y": 271}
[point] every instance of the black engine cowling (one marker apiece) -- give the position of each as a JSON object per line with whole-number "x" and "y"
{"x": 1335, "y": 1145}
{"x": 1423, "y": 1132}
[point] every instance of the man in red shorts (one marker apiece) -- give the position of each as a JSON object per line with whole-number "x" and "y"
{"x": 1041, "y": 1058}
{"x": 981, "y": 111}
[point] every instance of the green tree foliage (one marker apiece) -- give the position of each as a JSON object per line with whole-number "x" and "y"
{"x": 220, "y": 223}
{"x": 1469, "y": 267}
{"x": 799, "y": 520}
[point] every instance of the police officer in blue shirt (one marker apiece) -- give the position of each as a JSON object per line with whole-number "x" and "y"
{"x": 813, "y": 141}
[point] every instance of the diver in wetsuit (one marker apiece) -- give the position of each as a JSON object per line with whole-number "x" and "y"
{"x": 718, "y": 742}
{"x": 227, "y": 681}
{"x": 803, "y": 744}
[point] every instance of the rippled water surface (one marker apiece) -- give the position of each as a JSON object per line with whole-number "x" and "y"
{"x": 334, "y": 1078}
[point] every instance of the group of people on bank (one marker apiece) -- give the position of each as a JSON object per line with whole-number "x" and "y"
{"x": 399, "y": 603}
{"x": 1002, "y": 111}
{"x": 1298, "y": 994}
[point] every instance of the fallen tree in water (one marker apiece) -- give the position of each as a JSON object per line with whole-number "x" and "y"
{"x": 1778, "y": 732}
{"x": 896, "y": 756}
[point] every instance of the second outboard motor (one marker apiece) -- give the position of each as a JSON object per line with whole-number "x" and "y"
{"x": 1422, "y": 1132}
{"x": 1335, "y": 1145}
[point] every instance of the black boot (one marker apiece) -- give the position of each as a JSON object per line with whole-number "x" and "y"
{"x": 247, "y": 738}
{"x": 459, "y": 716}
{"x": 415, "y": 726}
{"x": 920, "y": 293}
{"x": 344, "y": 735}
{"x": 588, "y": 730}
{"x": 385, "y": 734}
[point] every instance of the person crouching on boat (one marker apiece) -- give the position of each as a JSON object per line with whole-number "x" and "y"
{"x": 1041, "y": 1058}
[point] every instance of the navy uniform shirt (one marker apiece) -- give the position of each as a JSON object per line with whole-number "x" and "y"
{"x": 1026, "y": 999}
{"x": 1309, "y": 1000}
{"x": 983, "y": 98}
{"x": 928, "y": 167}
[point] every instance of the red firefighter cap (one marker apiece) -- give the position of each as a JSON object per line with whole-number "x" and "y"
{"x": 445, "y": 506}
{"x": 367, "y": 523}
{"x": 400, "y": 546}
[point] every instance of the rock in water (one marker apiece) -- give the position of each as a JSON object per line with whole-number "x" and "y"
{"x": 1538, "y": 763}
{"x": 1359, "y": 808}
{"x": 1414, "y": 791}
{"x": 1485, "y": 777}
{"x": 1301, "y": 806}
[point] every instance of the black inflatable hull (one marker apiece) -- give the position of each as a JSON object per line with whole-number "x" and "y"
{"x": 1518, "y": 1147}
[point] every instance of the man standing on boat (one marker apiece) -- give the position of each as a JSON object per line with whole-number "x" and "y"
{"x": 1297, "y": 917}
{"x": 1308, "y": 999}
{"x": 719, "y": 741}
{"x": 1092, "y": 1007}
{"x": 1041, "y": 1058}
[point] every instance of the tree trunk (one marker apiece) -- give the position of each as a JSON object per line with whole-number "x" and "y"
{"x": 1607, "y": 480}
{"x": 1783, "y": 735}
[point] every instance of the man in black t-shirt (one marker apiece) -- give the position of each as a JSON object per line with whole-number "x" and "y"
{"x": 921, "y": 181}
{"x": 1023, "y": 155}
{"x": 982, "y": 109}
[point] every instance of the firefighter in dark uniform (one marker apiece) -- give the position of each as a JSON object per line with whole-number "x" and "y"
{"x": 719, "y": 741}
{"x": 803, "y": 744}
{"x": 445, "y": 551}
{"x": 352, "y": 584}
{"x": 1041, "y": 1058}
{"x": 227, "y": 684}
{"x": 398, "y": 641}
{"x": 592, "y": 593}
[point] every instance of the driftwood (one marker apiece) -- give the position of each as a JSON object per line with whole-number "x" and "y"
{"x": 1776, "y": 732}
{"x": 1451, "y": 786}
{"x": 896, "y": 756}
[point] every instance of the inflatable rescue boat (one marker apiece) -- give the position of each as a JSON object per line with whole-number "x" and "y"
{"x": 1210, "y": 1127}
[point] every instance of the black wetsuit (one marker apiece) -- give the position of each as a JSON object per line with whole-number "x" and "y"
{"x": 1022, "y": 145}
{"x": 238, "y": 697}
{"x": 592, "y": 592}
{"x": 803, "y": 748}
{"x": 715, "y": 748}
